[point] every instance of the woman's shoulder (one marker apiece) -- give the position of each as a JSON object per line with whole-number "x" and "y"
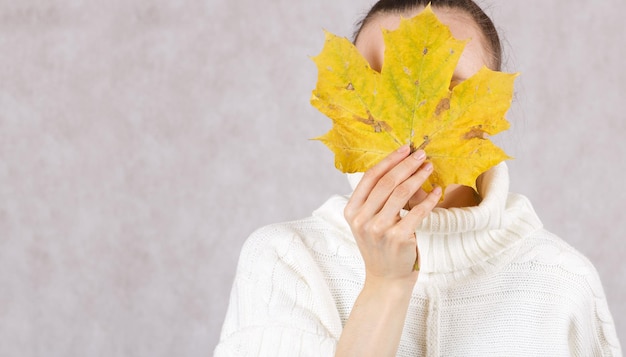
{"x": 546, "y": 247}
{"x": 546, "y": 253}
{"x": 324, "y": 231}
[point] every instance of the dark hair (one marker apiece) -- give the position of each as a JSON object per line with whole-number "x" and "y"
{"x": 468, "y": 7}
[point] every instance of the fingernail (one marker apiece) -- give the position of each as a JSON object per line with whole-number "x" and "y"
{"x": 428, "y": 166}
{"x": 419, "y": 155}
{"x": 403, "y": 148}
{"x": 437, "y": 190}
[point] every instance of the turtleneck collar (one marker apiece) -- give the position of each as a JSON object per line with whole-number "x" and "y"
{"x": 457, "y": 243}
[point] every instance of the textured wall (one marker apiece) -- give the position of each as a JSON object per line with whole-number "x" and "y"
{"x": 141, "y": 141}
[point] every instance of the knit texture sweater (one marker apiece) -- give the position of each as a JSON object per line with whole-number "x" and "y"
{"x": 492, "y": 282}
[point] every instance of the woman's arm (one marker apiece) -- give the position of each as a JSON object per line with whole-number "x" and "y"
{"x": 389, "y": 249}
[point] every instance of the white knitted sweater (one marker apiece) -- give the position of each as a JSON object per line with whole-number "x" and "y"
{"x": 493, "y": 282}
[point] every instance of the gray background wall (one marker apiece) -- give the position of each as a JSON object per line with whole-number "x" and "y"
{"x": 142, "y": 141}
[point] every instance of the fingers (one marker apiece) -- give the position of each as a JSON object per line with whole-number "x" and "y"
{"x": 371, "y": 177}
{"x": 418, "y": 197}
{"x": 417, "y": 214}
{"x": 393, "y": 185}
{"x": 403, "y": 192}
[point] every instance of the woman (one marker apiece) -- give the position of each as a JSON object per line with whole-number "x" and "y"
{"x": 491, "y": 281}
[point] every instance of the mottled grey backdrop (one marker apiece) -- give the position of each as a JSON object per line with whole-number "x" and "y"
{"x": 141, "y": 141}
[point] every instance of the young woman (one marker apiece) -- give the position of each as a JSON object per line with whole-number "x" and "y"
{"x": 492, "y": 281}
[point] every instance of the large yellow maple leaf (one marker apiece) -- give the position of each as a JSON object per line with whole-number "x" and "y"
{"x": 410, "y": 102}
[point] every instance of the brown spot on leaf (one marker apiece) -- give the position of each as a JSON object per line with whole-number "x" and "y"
{"x": 442, "y": 106}
{"x": 350, "y": 86}
{"x": 417, "y": 82}
{"x": 425, "y": 51}
{"x": 476, "y": 132}
{"x": 377, "y": 125}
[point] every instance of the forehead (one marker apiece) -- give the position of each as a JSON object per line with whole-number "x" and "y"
{"x": 371, "y": 45}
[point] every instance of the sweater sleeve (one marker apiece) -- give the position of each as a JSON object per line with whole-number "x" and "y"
{"x": 592, "y": 330}
{"x": 280, "y": 304}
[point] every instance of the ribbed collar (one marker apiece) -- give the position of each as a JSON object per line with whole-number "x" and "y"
{"x": 458, "y": 243}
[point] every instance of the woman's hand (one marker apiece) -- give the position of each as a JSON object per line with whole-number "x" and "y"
{"x": 388, "y": 245}
{"x": 386, "y": 241}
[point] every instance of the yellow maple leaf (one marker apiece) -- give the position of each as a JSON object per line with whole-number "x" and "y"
{"x": 410, "y": 102}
